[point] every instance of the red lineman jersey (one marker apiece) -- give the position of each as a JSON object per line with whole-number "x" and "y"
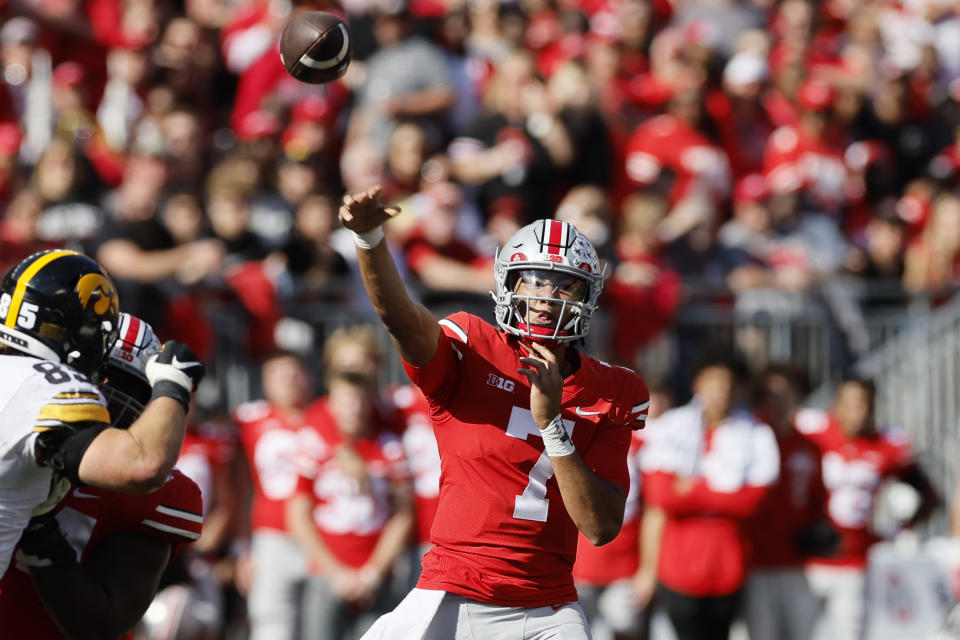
{"x": 853, "y": 470}
{"x": 502, "y": 534}
{"x": 620, "y": 558}
{"x": 88, "y": 515}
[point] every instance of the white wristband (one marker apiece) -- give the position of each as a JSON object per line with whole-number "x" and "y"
{"x": 368, "y": 239}
{"x": 556, "y": 441}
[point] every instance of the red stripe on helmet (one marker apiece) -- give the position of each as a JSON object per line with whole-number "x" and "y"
{"x": 131, "y": 334}
{"x": 556, "y": 237}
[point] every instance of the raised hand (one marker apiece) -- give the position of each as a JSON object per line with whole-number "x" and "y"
{"x": 546, "y": 383}
{"x": 363, "y": 211}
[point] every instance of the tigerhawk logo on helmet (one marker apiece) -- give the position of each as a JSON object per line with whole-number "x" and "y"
{"x": 551, "y": 246}
{"x": 59, "y": 305}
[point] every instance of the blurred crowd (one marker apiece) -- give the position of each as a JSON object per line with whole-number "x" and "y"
{"x": 773, "y": 154}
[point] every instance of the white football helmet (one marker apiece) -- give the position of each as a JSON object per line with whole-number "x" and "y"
{"x": 552, "y": 246}
{"x": 121, "y": 377}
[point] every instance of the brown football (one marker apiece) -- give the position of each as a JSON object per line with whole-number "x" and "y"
{"x": 315, "y": 47}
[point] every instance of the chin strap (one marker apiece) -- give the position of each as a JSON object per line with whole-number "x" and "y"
{"x": 541, "y": 335}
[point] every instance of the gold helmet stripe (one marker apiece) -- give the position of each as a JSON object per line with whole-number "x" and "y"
{"x": 26, "y": 277}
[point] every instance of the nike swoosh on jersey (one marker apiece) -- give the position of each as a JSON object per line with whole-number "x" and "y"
{"x": 80, "y": 494}
{"x": 581, "y": 412}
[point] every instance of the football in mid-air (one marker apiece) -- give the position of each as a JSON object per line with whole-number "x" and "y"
{"x": 315, "y": 47}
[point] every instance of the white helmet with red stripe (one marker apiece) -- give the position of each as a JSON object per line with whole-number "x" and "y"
{"x": 122, "y": 377}
{"x": 552, "y": 246}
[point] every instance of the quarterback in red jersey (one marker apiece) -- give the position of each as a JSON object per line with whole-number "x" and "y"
{"x": 857, "y": 458}
{"x": 511, "y": 505}
{"x": 97, "y": 562}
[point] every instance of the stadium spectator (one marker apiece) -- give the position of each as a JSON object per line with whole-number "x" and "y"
{"x": 858, "y": 455}
{"x": 317, "y": 270}
{"x": 18, "y": 229}
{"x": 644, "y": 292}
{"x": 492, "y": 551}
{"x": 273, "y": 574}
{"x": 444, "y": 264}
{"x": 513, "y": 151}
{"x": 932, "y": 258}
{"x": 353, "y": 511}
{"x": 709, "y": 466}
{"x": 64, "y": 180}
{"x": 405, "y": 79}
{"x": 791, "y": 522}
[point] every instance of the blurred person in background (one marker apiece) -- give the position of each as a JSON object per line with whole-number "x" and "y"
{"x": 678, "y": 141}
{"x": 210, "y": 457}
{"x": 65, "y": 181}
{"x": 644, "y": 292}
{"x": 19, "y": 236}
{"x": 709, "y": 466}
{"x": 513, "y": 152}
{"x": 140, "y": 253}
{"x": 273, "y": 574}
{"x": 444, "y": 265}
{"x": 805, "y": 156}
{"x": 742, "y": 123}
{"x": 405, "y": 79}
{"x": 857, "y": 456}
{"x": 353, "y": 511}
{"x": 932, "y": 263}
{"x": 791, "y": 522}
{"x": 317, "y": 270}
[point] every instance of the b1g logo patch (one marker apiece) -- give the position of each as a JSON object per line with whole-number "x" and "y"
{"x": 501, "y": 383}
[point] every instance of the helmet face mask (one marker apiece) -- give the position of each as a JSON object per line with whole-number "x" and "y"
{"x": 59, "y": 305}
{"x": 547, "y": 268}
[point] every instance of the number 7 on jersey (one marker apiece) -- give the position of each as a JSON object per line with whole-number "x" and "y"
{"x": 533, "y": 503}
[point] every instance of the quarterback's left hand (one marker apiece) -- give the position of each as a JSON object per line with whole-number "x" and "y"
{"x": 546, "y": 384}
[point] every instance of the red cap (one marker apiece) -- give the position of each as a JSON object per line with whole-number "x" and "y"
{"x": 814, "y": 95}
{"x": 751, "y": 188}
{"x": 10, "y": 138}
{"x": 68, "y": 74}
{"x": 313, "y": 108}
{"x": 256, "y": 125}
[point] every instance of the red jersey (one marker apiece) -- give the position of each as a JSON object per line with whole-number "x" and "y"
{"x": 88, "y": 515}
{"x": 271, "y": 445}
{"x": 420, "y": 447}
{"x": 797, "y": 500}
{"x": 502, "y": 534}
{"x": 853, "y": 470}
{"x": 732, "y": 466}
{"x": 669, "y": 142}
{"x": 794, "y": 159}
{"x": 206, "y": 452}
{"x": 350, "y": 514}
{"x": 620, "y": 558}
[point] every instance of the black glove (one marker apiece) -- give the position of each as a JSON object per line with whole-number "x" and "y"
{"x": 43, "y": 545}
{"x": 174, "y": 372}
{"x": 818, "y": 539}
